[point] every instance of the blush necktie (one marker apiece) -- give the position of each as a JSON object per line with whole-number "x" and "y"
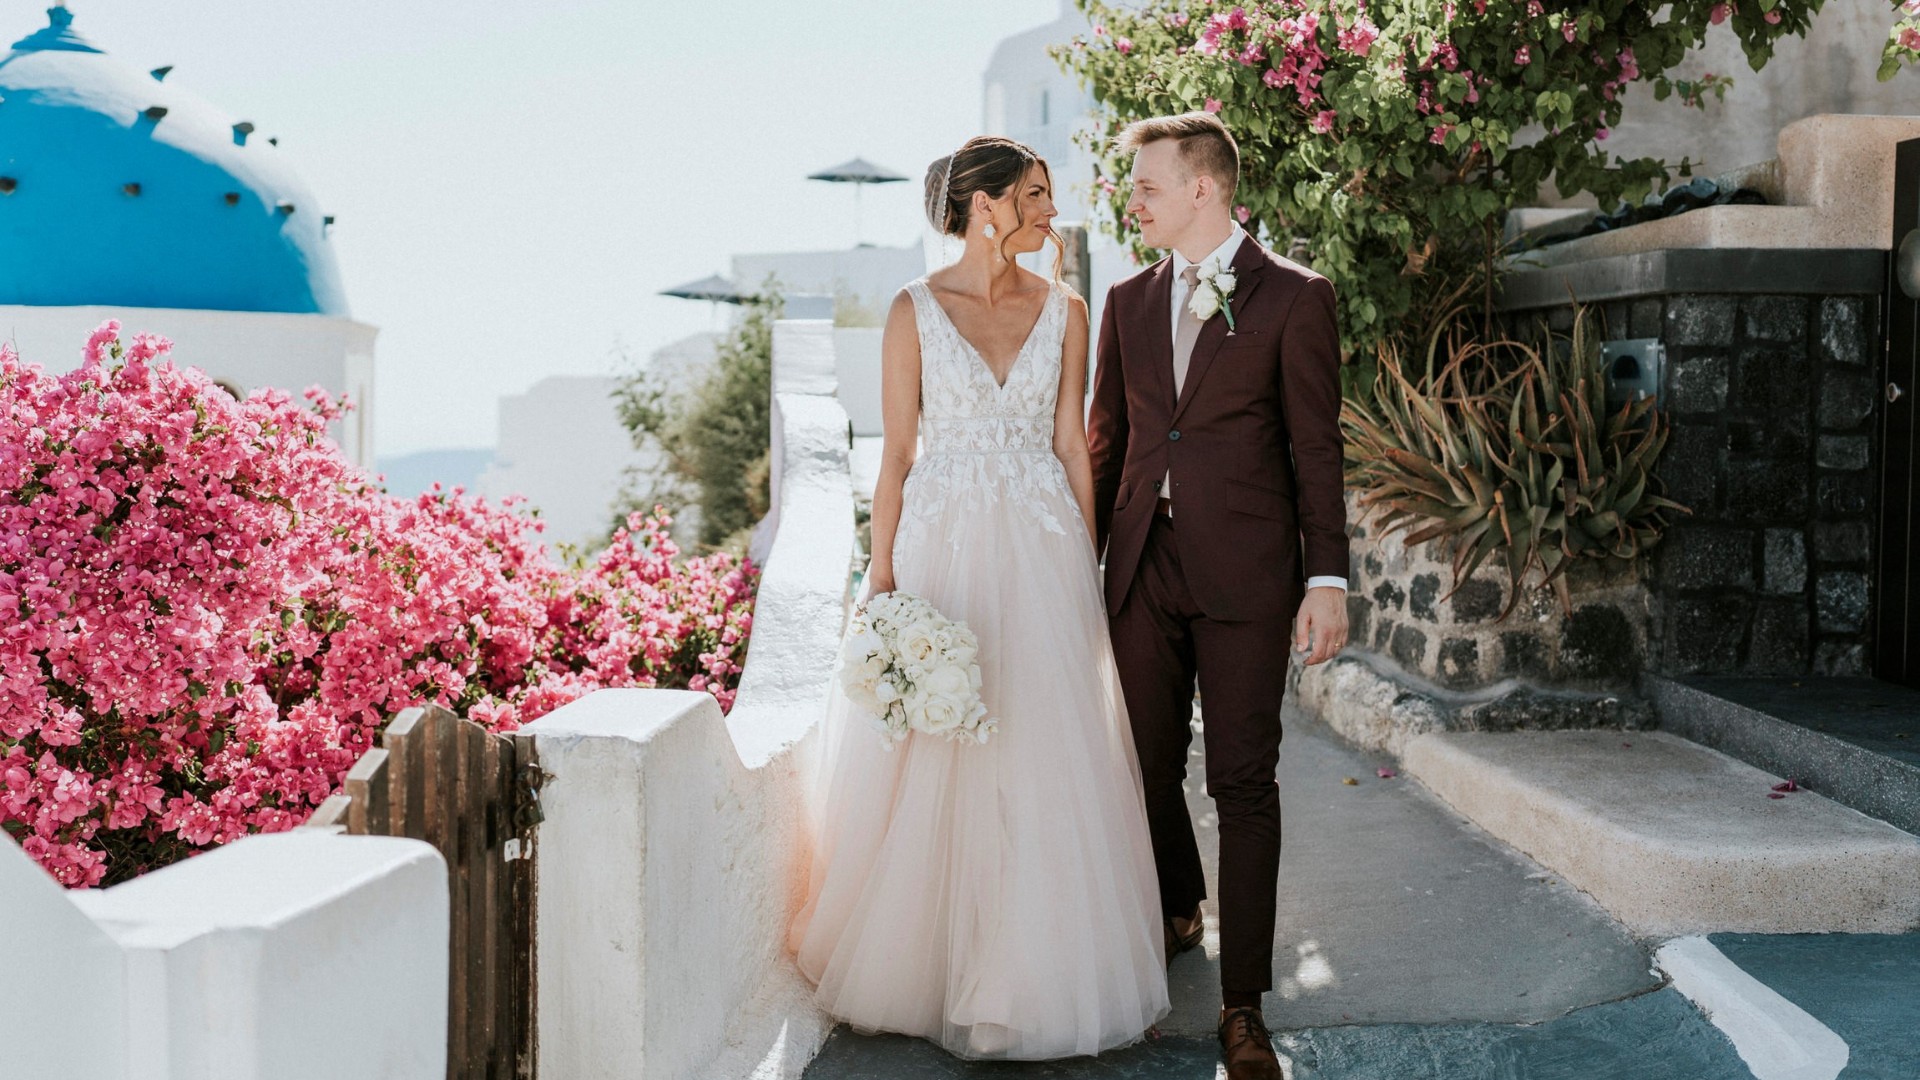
{"x": 1185, "y": 332}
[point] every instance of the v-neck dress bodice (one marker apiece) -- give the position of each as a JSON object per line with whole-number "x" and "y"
{"x": 987, "y": 446}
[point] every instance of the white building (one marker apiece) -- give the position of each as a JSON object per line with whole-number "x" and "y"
{"x": 868, "y": 275}
{"x": 562, "y": 446}
{"x": 124, "y": 196}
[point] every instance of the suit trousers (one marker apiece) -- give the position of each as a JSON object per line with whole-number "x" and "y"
{"x": 1162, "y": 643}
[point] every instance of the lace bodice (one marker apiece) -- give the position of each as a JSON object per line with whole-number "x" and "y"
{"x": 983, "y": 440}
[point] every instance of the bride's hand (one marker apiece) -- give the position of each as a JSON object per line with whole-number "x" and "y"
{"x": 879, "y": 580}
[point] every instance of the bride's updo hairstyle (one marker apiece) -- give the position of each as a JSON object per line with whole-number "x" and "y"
{"x": 989, "y": 163}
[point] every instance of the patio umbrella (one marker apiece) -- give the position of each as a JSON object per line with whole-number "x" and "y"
{"x": 859, "y": 172}
{"x": 713, "y": 287}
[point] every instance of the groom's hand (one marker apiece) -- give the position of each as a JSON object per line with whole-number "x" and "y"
{"x": 1323, "y": 618}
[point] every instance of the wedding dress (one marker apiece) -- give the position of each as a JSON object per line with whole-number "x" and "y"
{"x": 998, "y": 899}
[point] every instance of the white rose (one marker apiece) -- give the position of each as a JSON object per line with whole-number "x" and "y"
{"x": 948, "y": 681}
{"x": 886, "y": 691}
{"x": 915, "y": 643}
{"x": 1204, "y": 303}
{"x": 1224, "y": 281}
{"x": 960, "y": 653}
{"x": 938, "y": 715}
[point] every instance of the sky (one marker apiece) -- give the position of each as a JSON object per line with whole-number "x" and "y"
{"x": 514, "y": 183}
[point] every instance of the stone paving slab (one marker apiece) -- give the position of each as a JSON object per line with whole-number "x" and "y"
{"x": 1394, "y": 909}
{"x": 1854, "y": 739}
{"x": 1654, "y": 1036}
{"x": 1865, "y": 987}
{"x": 1675, "y": 838}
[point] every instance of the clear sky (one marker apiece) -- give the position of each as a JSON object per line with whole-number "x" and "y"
{"x": 514, "y": 182}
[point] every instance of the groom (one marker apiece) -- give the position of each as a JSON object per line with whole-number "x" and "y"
{"x": 1217, "y": 494}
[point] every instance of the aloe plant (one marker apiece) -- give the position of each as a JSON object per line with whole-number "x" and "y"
{"x": 1509, "y": 450}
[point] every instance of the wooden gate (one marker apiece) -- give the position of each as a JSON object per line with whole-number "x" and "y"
{"x": 473, "y": 795}
{"x": 1896, "y": 578}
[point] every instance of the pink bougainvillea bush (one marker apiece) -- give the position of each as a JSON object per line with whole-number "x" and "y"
{"x": 207, "y": 613}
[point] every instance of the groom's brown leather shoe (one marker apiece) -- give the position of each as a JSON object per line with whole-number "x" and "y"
{"x": 1246, "y": 1047}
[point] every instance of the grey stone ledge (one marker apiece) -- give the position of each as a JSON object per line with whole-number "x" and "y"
{"x": 1778, "y": 271}
{"x": 1375, "y": 704}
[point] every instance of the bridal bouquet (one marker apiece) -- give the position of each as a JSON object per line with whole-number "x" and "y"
{"x": 913, "y": 669}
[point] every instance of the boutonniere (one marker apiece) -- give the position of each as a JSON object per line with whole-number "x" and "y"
{"x": 1212, "y": 292}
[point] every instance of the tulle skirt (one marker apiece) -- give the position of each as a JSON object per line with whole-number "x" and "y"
{"x": 998, "y": 899}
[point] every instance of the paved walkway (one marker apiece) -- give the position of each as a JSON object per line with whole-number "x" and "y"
{"x": 1410, "y": 945}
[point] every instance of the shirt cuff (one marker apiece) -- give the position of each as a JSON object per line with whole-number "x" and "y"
{"x": 1327, "y": 579}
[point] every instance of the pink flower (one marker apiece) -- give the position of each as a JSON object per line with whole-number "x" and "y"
{"x": 1177, "y": 19}
{"x": 1124, "y": 45}
{"x": 1523, "y": 55}
{"x": 1099, "y": 30}
{"x": 1242, "y": 213}
{"x": 1718, "y": 14}
{"x": 1534, "y": 10}
{"x": 1772, "y": 18}
{"x": 1439, "y": 134}
{"x": 1569, "y": 29}
{"x": 1358, "y": 38}
{"x": 1601, "y": 133}
{"x": 1213, "y": 105}
{"x": 1910, "y": 39}
{"x": 207, "y": 613}
{"x": 1322, "y": 121}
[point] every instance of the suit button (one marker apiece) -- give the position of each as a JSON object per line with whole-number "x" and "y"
{"x": 1174, "y": 435}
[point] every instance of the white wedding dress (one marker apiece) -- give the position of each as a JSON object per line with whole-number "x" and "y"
{"x": 998, "y": 899}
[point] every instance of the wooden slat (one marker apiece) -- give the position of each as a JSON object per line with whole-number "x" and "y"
{"x": 367, "y": 788}
{"x": 494, "y": 908}
{"x": 438, "y": 782}
{"x": 331, "y": 814}
{"x": 499, "y": 892}
{"x": 473, "y": 826}
{"x": 405, "y": 786}
{"x": 520, "y": 919}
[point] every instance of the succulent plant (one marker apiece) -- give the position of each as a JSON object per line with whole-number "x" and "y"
{"x": 1509, "y": 449}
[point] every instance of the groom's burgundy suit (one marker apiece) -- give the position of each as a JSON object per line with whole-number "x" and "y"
{"x": 1252, "y": 445}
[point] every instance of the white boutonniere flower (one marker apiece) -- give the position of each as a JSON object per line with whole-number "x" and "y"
{"x": 1211, "y": 293}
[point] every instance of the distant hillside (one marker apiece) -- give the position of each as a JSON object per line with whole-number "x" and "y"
{"x": 410, "y": 474}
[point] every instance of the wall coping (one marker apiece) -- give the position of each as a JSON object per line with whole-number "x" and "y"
{"x": 1773, "y": 271}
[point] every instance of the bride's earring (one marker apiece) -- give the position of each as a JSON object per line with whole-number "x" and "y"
{"x": 988, "y": 230}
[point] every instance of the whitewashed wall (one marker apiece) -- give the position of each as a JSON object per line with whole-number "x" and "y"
{"x": 671, "y": 858}
{"x": 286, "y": 957}
{"x": 562, "y": 446}
{"x": 249, "y": 349}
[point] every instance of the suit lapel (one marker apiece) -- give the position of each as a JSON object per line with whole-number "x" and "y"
{"x": 1159, "y": 315}
{"x": 1247, "y": 264}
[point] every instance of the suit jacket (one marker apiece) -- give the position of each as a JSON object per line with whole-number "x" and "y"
{"x": 1253, "y": 440}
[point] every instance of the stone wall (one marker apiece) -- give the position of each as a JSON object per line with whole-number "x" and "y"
{"x": 1402, "y": 603}
{"x": 1770, "y": 395}
{"x": 1771, "y": 400}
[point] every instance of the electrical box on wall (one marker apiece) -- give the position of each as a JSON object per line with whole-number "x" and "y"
{"x": 1632, "y": 368}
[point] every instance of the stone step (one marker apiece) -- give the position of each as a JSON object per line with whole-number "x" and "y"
{"x": 1672, "y": 837}
{"x": 1853, "y": 739}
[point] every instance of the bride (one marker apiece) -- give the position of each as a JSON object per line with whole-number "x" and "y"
{"x": 1000, "y": 898}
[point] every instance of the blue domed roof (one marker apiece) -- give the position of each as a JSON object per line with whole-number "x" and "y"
{"x": 116, "y": 188}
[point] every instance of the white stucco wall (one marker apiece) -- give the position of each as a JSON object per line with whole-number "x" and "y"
{"x": 561, "y": 444}
{"x": 672, "y": 855}
{"x": 249, "y": 349}
{"x": 286, "y": 957}
{"x": 871, "y": 274}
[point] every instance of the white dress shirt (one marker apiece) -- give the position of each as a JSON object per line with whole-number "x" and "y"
{"x": 1222, "y": 257}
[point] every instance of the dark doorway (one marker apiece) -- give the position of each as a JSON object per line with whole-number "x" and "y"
{"x": 1896, "y": 585}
